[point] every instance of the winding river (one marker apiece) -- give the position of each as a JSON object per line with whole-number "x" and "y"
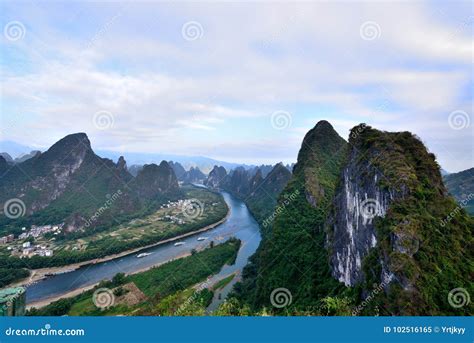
{"x": 240, "y": 223}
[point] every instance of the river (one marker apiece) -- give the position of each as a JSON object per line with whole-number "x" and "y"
{"x": 240, "y": 223}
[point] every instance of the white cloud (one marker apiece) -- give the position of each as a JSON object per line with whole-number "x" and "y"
{"x": 167, "y": 92}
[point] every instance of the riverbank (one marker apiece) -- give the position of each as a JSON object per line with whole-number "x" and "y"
{"x": 47, "y": 301}
{"x": 42, "y": 273}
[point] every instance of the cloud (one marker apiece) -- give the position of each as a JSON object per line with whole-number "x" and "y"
{"x": 172, "y": 94}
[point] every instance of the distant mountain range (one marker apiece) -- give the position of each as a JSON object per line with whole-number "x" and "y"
{"x": 15, "y": 152}
{"x": 69, "y": 182}
{"x": 461, "y": 187}
{"x": 259, "y": 187}
{"x": 347, "y": 218}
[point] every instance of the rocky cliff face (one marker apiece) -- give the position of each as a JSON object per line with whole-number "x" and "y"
{"x": 178, "y": 169}
{"x": 359, "y": 200}
{"x": 216, "y": 178}
{"x": 388, "y": 217}
{"x": 155, "y": 181}
{"x": 7, "y": 157}
{"x": 193, "y": 175}
{"x": 238, "y": 182}
{"x": 69, "y": 183}
{"x": 292, "y": 254}
{"x": 44, "y": 178}
{"x": 265, "y": 192}
{"x": 4, "y": 166}
{"x": 371, "y": 214}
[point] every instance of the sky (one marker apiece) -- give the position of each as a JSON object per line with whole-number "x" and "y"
{"x": 236, "y": 81}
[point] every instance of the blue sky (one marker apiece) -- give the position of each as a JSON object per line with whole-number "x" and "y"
{"x": 241, "y": 82}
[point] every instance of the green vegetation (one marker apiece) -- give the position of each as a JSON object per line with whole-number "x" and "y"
{"x": 263, "y": 199}
{"x": 9, "y": 275}
{"x": 168, "y": 287}
{"x": 223, "y": 282}
{"x": 435, "y": 232}
{"x": 292, "y": 253}
{"x": 461, "y": 187}
{"x": 97, "y": 243}
{"x": 443, "y": 253}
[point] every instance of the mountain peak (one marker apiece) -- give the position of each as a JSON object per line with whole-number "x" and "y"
{"x": 76, "y": 141}
{"x": 323, "y": 125}
{"x": 320, "y": 144}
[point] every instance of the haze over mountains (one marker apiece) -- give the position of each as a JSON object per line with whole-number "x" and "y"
{"x": 69, "y": 181}
{"x": 205, "y": 164}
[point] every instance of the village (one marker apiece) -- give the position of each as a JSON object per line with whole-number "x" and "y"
{"x": 39, "y": 240}
{"x": 23, "y": 246}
